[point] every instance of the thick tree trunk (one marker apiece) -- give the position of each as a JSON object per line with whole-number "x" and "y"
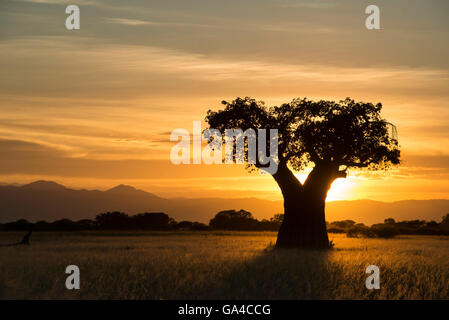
{"x": 304, "y": 224}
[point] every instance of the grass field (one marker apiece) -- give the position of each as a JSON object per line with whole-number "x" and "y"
{"x": 220, "y": 265}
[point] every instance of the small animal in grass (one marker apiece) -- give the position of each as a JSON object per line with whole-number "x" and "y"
{"x": 25, "y": 241}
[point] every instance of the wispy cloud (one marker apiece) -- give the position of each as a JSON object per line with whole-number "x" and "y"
{"x": 312, "y": 4}
{"x": 66, "y": 2}
{"x": 138, "y": 22}
{"x": 131, "y": 22}
{"x": 131, "y": 66}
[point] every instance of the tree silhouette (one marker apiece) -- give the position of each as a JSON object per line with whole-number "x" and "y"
{"x": 234, "y": 220}
{"x": 113, "y": 221}
{"x": 332, "y": 137}
{"x": 445, "y": 221}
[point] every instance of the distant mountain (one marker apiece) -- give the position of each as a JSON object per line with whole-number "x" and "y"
{"x": 43, "y": 185}
{"x": 47, "y": 200}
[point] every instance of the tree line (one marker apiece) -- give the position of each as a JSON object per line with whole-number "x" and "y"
{"x": 390, "y": 228}
{"x": 228, "y": 220}
{"x": 223, "y": 220}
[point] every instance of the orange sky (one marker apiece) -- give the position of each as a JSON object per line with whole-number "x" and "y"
{"x": 93, "y": 108}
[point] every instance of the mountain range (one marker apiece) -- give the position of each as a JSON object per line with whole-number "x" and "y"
{"x": 47, "y": 200}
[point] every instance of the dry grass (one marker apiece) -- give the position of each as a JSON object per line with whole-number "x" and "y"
{"x": 220, "y": 265}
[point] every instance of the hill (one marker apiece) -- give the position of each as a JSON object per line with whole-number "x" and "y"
{"x": 46, "y": 200}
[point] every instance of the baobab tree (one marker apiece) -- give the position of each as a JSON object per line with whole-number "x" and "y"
{"x": 331, "y": 137}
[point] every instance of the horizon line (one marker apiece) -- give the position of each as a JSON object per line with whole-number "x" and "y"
{"x": 19, "y": 185}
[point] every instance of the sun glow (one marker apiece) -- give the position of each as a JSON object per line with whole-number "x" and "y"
{"x": 340, "y": 188}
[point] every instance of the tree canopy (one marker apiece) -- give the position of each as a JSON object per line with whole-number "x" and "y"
{"x": 346, "y": 134}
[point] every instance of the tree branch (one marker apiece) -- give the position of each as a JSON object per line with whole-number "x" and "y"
{"x": 341, "y": 174}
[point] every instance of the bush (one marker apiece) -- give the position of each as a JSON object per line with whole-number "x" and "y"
{"x": 335, "y": 230}
{"x": 189, "y": 225}
{"x": 65, "y": 225}
{"x": 385, "y": 232}
{"x": 360, "y": 232}
{"x": 345, "y": 224}
{"x": 198, "y": 226}
{"x": 378, "y": 231}
{"x": 19, "y": 225}
{"x": 113, "y": 221}
{"x": 234, "y": 220}
{"x": 149, "y": 221}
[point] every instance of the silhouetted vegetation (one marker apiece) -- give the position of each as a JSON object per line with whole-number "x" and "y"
{"x": 19, "y": 225}
{"x": 189, "y": 225}
{"x": 233, "y": 220}
{"x": 224, "y": 220}
{"x": 340, "y": 226}
{"x": 241, "y": 220}
{"x": 390, "y": 228}
{"x": 385, "y": 232}
{"x": 104, "y": 221}
{"x": 334, "y": 136}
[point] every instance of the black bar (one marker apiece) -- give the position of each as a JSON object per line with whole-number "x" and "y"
{"x": 224, "y": 309}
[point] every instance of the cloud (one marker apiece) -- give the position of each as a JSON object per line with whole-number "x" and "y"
{"x": 316, "y": 4}
{"x": 24, "y": 157}
{"x": 23, "y": 161}
{"x": 66, "y": 2}
{"x": 135, "y": 59}
{"x": 428, "y": 161}
{"x": 117, "y": 98}
{"x": 137, "y": 22}
{"x": 131, "y": 22}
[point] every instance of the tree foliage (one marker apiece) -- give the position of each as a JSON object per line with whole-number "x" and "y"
{"x": 346, "y": 134}
{"x": 233, "y": 220}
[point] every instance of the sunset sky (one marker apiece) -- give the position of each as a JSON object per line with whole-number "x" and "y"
{"x": 93, "y": 108}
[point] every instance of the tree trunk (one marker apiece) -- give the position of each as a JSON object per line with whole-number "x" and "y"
{"x": 304, "y": 224}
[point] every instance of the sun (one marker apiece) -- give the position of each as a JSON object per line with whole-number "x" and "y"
{"x": 340, "y": 188}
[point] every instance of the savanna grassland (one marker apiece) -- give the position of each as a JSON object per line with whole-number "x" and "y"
{"x": 219, "y": 265}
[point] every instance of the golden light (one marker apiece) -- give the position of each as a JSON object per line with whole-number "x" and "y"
{"x": 340, "y": 190}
